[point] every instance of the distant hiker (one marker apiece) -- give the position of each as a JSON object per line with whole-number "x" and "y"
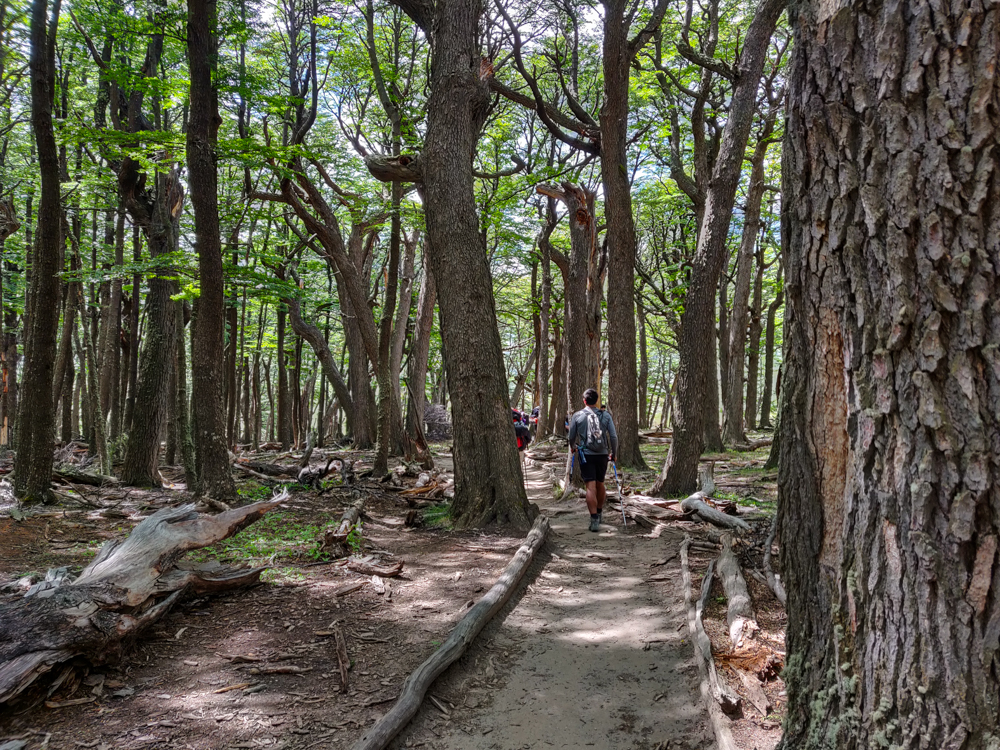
{"x": 523, "y": 439}
{"x": 594, "y": 441}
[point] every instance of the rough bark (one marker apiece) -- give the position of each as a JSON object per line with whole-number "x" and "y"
{"x": 680, "y": 470}
{"x": 215, "y": 478}
{"x": 889, "y": 475}
{"x": 36, "y": 412}
{"x": 488, "y": 486}
{"x": 622, "y": 400}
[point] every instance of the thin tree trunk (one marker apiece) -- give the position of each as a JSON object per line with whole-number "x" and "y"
{"x": 386, "y": 431}
{"x": 754, "y": 330}
{"x": 772, "y": 311}
{"x": 420, "y": 349}
{"x": 734, "y": 429}
{"x": 284, "y": 421}
{"x": 643, "y": 366}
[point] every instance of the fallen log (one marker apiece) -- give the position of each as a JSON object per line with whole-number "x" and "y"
{"x": 417, "y": 684}
{"x": 696, "y": 504}
{"x": 375, "y": 570}
{"x": 716, "y": 698}
{"x": 263, "y": 478}
{"x": 130, "y": 584}
{"x": 739, "y": 614}
{"x": 80, "y": 477}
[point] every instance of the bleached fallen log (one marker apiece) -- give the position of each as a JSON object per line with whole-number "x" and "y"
{"x": 417, "y": 684}
{"x": 739, "y": 615}
{"x": 129, "y": 585}
{"x": 716, "y": 697}
{"x": 696, "y": 504}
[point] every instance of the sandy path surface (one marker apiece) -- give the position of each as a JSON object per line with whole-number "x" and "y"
{"x": 592, "y": 654}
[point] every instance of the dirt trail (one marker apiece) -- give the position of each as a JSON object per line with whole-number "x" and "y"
{"x": 592, "y": 655}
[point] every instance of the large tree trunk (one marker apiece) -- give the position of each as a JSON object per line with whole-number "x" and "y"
{"x": 733, "y": 430}
{"x": 622, "y": 380}
{"x": 680, "y": 471}
{"x": 215, "y": 478}
{"x": 889, "y": 476}
{"x": 141, "y": 461}
{"x": 488, "y": 486}
{"x": 36, "y": 412}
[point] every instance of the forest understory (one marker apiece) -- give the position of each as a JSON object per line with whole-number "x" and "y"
{"x": 258, "y": 667}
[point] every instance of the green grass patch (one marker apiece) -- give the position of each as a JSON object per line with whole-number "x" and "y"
{"x": 277, "y": 536}
{"x": 438, "y": 515}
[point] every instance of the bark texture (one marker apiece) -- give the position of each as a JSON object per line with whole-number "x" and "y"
{"x": 215, "y": 478}
{"x": 488, "y": 486}
{"x": 890, "y": 419}
{"x": 36, "y": 411}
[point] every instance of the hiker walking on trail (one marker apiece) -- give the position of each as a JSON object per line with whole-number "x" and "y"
{"x": 594, "y": 442}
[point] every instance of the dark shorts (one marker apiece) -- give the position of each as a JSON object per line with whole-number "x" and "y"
{"x": 594, "y": 468}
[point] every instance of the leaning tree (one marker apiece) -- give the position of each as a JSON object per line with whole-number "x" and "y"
{"x": 890, "y": 452}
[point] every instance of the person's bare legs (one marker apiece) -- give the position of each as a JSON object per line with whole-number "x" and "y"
{"x": 601, "y": 495}
{"x": 592, "y": 498}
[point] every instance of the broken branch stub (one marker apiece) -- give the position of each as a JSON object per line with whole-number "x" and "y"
{"x": 696, "y": 504}
{"x": 129, "y": 585}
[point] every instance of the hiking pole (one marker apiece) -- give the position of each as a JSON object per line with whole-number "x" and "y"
{"x": 621, "y": 500}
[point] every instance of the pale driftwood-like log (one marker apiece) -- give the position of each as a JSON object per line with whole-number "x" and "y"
{"x": 417, "y": 684}
{"x": 773, "y": 579}
{"x": 739, "y": 615}
{"x": 696, "y": 504}
{"x": 384, "y": 571}
{"x": 128, "y": 586}
{"x": 710, "y": 692}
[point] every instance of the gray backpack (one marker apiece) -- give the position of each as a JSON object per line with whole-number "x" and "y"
{"x": 594, "y": 438}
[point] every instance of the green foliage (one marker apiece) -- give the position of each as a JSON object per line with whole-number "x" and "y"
{"x": 438, "y": 515}
{"x": 276, "y": 536}
{"x": 356, "y": 539}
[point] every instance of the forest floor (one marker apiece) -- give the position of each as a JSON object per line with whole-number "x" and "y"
{"x": 592, "y": 651}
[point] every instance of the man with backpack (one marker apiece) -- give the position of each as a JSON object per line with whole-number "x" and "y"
{"x": 594, "y": 442}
